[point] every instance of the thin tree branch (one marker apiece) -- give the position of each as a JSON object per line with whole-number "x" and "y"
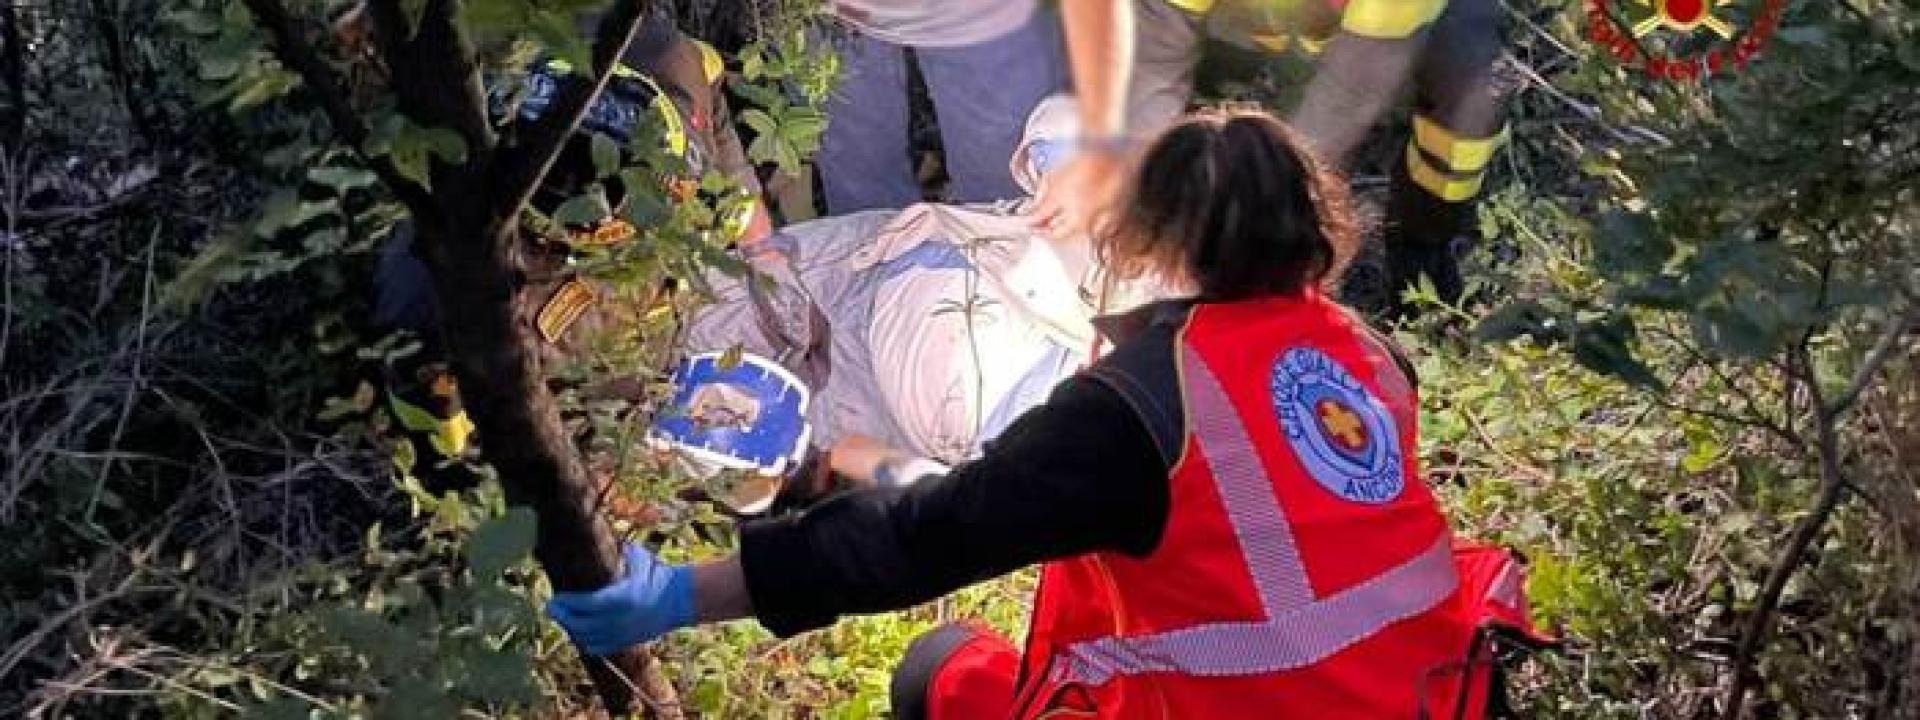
{"x": 1833, "y": 487}
{"x": 1882, "y": 351}
{"x": 521, "y": 169}
{"x": 290, "y": 45}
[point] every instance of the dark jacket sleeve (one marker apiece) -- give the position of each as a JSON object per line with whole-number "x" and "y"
{"x": 1077, "y": 474}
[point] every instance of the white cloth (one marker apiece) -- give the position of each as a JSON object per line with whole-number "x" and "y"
{"x": 935, "y": 23}
{"x": 945, "y": 323}
{"x": 974, "y": 321}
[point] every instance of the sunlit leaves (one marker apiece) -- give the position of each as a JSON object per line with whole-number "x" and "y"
{"x": 783, "y": 133}
{"x": 784, "y": 130}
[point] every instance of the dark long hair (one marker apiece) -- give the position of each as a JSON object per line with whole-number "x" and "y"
{"x": 1234, "y": 201}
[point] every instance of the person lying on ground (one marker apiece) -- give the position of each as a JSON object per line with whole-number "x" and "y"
{"x": 937, "y": 324}
{"x": 1228, "y": 507}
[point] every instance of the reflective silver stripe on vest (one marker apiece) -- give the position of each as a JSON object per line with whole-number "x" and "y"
{"x": 1299, "y": 630}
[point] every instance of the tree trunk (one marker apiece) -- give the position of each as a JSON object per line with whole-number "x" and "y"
{"x": 494, "y": 352}
{"x": 469, "y": 238}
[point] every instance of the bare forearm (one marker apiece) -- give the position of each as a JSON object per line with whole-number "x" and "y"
{"x": 1100, "y": 51}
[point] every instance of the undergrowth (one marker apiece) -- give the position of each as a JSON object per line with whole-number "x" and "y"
{"x": 185, "y": 535}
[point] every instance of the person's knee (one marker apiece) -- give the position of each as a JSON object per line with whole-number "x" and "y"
{"x": 956, "y": 670}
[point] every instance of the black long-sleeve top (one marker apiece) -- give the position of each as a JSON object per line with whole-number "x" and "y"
{"x": 1080, "y": 473}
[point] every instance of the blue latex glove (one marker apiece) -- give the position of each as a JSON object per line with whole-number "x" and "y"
{"x": 653, "y": 599}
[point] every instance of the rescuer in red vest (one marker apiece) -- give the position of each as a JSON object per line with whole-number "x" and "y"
{"x": 1227, "y": 508}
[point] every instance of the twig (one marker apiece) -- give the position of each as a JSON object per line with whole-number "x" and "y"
{"x": 33, "y": 639}
{"x": 1833, "y": 487}
{"x": 1876, "y": 357}
{"x": 1585, "y": 110}
{"x": 521, "y": 169}
{"x": 1537, "y": 30}
{"x": 1514, "y": 463}
{"x": 172, "y": 683}
{"x": 136, "y": 379}
{"x": 12, "y": 192}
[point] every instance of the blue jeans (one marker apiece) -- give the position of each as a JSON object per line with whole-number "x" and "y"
{"x": 982, "y": 94}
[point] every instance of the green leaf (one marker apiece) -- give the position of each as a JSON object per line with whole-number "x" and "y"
{"x": 226, "y": 56}
{"x": 587, "y": 208}
{"x": 261, "y": 88}
{"x": 557, "y": 32}
{"x": 752, "y": 62}
{"x": 606, "y": 155}
{"x": 1603, "y": 348}
{"x": 285, "y": 210}
{"x": 762, "y": 123}
{"x": 1628, "y": 243}
{"x": 715, "y": 183}
{"x": 494, "y": 16}
{"x": 372, "y": 636}
{"x": 1730, "y": 333}
{"x": 1700, "y": 457}
{"x": 195, "y": 22}
{"x": 499, "y": 677}
{"x": 500, "y": 542}
{"x": 410, "y": 159}
{"x": 759, "y": 95}
{"x": 412, "y": 148}
{"x": 645, "y": 207}
{"x": 411, "y": 416}
{"x": 1522, "y": 318}
{"x": 341, "y": 179}
{"x": 761, "y": 150}
{"x": 787, "y": 156}
{"x": 444, "y": 144}
{"x": 804, "y": 124}
{"x": 1660, "y": 292}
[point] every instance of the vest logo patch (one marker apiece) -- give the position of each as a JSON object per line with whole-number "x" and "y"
{"x": 1342, "y": 434}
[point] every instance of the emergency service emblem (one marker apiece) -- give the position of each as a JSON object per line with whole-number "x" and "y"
{"x": 1342, "y": 434}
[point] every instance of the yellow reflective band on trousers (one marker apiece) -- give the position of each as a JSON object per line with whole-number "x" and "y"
{"x": 1459, "y": 154}
{"x": 1389, "y": 19}
{"x": 1193, "y": 6}
{"x": 1461, "y": 161}
{"x": 1450, "y": 187}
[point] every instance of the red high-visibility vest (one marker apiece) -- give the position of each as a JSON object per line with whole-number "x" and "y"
{"x": 1304, "y": 571}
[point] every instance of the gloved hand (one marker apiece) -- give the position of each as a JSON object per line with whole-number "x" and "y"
{"x": 653, "y": 599}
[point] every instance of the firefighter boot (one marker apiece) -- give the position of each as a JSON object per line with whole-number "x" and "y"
{"x": 1425, "y": 237}
{"x": 1430, "y": 210}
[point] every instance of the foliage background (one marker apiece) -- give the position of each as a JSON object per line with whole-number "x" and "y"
{"x": 205, "y": 512}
